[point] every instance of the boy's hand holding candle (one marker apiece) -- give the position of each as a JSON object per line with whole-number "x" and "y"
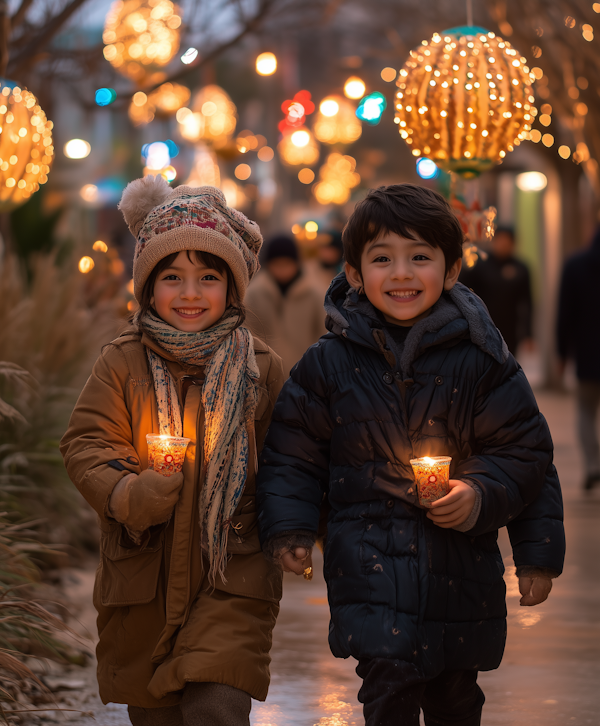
{"x": 455, "y": 508}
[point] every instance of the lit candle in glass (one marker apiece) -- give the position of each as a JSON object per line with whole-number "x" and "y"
{"x": 166, "y": 453}
{"x": 432, "y": 475}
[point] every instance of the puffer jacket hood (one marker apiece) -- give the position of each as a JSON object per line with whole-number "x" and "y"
{"x": 458, "y": 313}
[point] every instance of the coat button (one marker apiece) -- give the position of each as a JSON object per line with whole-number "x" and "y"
{"x": 389, "y": 504}
{"x": 398, "y": 376}
{"x": 438, "y": 380}
{"x": 387, "y": 377}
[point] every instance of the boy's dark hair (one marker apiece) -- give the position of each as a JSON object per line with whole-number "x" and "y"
{"x": 203, "y": 258}
{"x": 406, "y": 210}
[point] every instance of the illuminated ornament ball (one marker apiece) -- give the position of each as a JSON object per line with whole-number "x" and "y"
{"x": 336, "y": 123}
{"x": 141, "y": 36}
{"x": 464, "y": 100}
{"x": 299, "y": 148}
{"x": 26, "y": 147}
{"x": 212, "y": 118}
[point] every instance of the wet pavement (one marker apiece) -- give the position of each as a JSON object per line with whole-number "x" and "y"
{"x": 550, "y": 675}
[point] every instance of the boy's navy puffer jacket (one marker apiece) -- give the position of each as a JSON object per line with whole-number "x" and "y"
{"x": 346, "y": 424}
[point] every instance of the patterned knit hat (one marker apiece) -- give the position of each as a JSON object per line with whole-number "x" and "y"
{"x": 166, "y": 220}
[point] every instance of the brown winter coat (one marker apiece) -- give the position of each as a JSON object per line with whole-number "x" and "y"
{"x": 289, "y": 323}
{"x": 160, "y": 624}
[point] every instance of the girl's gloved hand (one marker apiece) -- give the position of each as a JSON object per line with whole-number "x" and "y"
{"x": 142, "y": 500}
{"x": 534, "y": 590}
{"x": 296, "y": 560}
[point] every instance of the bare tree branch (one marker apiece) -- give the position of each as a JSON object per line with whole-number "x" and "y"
{"x": 4, "y": 36}
{"x": 252, "y": 25}
{"x": 20, "y": 13}
{"x": 26, "y": 58}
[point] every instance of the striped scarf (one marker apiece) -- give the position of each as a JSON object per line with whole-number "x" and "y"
{"x": 229, "y": 397}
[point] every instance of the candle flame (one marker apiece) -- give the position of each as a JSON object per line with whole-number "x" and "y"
{"x": 429, "y": 460}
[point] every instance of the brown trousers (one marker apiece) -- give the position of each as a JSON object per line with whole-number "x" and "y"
{"x": 205, "y": 704}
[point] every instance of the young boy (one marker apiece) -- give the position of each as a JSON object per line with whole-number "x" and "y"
{"x": 413, "y": 366}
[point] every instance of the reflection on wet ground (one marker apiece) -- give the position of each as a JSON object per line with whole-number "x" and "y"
{"x": 550, "y": 675}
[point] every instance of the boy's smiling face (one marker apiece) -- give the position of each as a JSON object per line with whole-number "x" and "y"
{"x": 402, "y": 277}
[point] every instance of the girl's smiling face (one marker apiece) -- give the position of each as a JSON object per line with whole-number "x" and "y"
{"x": 188, "y": 295}
{"x": 402, "y": 277}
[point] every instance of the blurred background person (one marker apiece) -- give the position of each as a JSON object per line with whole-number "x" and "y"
{"x": 502, "y": 281}
{"x": 577, "y": 339}
{"x": 327, "y": 262}
{"x": 284, "y": 307}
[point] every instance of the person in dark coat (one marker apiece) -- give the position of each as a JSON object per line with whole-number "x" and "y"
{"x": 412, "y": 366}
{"x": 502, "y": 281}
{"x": 578, "y": 314}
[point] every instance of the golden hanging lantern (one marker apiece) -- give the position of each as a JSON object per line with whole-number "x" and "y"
{"x": 205, "y": 169}
{"x": 337, "y": 177}
{"x": 336, "y": 122}
{"x": 163, "y": 102}
{"x": 141, "y": 37}
{"x": 464, "y": 100}
{"x": 26, "y": 147}
{"x": 212, "y": 118}
{"x": 299, "y": 148}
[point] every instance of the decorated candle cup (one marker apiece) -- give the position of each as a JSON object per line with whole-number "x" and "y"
{"x": 432, "y": 475}
{"x": 166, "y": 453}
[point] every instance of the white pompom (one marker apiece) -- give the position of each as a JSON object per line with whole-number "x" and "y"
{"x": 139, "y": 199}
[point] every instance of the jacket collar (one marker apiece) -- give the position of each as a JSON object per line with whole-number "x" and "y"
{"x": 458, "y": 314}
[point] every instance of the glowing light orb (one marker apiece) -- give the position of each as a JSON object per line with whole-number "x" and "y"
{"x": 100, "y": 246}
{"x": 89, "y": 193}
{"x": 426, "y": 168}
{"x": 337, "y": 177}
{"x": 341, "y": 127}
{"x": 26, "y": 146}
{"x": 189, "y": 56}
{"x": 371, "y": 108}
{"x": 77, "y": 149}
{"x": 212, "y": 118}
{"x": 141, "y": 37}
{"x": 242, "y": 172}
{"x": 531, "y": 181}
{"x": 299, "y": 148}
{"x": 329, "y": 107}
{"x": 354, "y": 87}
{"x": 105, "y": 96}
{"x": 300, "y": 138}
{"x": 163, "y": 102}
{"x": 306, "y": 176}
{"x": 266, "y": 64}
{"x": 157, "y": 156}
{"x": 266, "y": 153}
{"x": 464, "y": 100}
{"x": 86, "y": 264}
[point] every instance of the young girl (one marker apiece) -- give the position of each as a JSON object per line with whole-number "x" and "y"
{"x": 186, "y": 600}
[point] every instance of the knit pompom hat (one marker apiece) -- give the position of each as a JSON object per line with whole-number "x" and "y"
{"x": 165, "y": 220}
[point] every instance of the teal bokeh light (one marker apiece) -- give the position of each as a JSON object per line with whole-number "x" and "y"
{"x": 105, "y": 96}
{"x": 371, "y": 108}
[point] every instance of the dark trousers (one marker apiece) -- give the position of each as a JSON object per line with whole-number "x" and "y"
{"x": 202, "y": 704}
{"x": 394, "y": 692}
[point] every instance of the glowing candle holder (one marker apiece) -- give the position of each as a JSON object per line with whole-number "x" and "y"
{"x": 432, "y": 475}
{"x": 166, "y": 453}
